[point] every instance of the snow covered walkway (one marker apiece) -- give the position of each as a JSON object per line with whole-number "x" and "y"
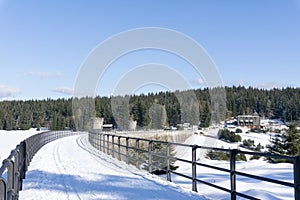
{"x": 70, "y": 168}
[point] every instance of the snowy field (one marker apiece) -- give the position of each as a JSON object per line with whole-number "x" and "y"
{"x": 10, "y": 139}
{"x": 252, "y": 187}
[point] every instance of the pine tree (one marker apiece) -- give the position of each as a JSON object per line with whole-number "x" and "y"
{"x": 205, "y": 116}
{"x": 287, "y": 143}
{"x": 277, "y": 145}
{"x": 292, "y": 141}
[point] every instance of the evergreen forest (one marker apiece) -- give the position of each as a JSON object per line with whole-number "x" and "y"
{"x": 57, "y": 114}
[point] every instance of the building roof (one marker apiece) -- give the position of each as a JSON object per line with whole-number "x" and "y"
{"x": 107, "y": 125}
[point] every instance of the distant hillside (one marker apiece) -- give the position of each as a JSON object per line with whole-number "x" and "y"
{"x": 57, "y": 114}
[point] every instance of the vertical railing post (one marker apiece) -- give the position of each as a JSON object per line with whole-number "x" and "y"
{"x": 22, "y": 163}
{"x": 104, "y": 143}
{"x": 168, "y": 162}
{"x": 101, "y": 142}
{"x": 16, "y": 170}
{"x": 137, "y": 150}
{"x": 93, "y": 140}
{"x": 107, "y": 145}
{"x": 113, "y": 146}
{"x": 119, "y": 147}
{"x": 24, "y": 160}
{"x": 194, "y": 168}
{"x": 10, "y": 178}
{"x": 100, "y": 138}
{"x": 127, "y": 150}
{"x": 27, "y": 148}
{"x": 233, "y": 154}
{"x": 297, "y": 177}
{"x": 150, "y": 149}
{"x": 3, "y": 189}
{"x": 104, "y": 148}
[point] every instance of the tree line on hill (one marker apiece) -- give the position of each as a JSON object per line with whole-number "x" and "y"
{"x": 57, "y": 114}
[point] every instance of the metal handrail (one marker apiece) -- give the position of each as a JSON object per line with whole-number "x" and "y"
{"x": 134, "y": 151}
{"x": 14, "y": 168}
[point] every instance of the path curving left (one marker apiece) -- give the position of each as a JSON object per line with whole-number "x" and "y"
{"x": 69, "y": 168}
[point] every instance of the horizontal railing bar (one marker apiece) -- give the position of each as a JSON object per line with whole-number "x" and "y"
{"x": 268, "y": 155}
{"x": 3, "y": 168}
{"x": 182, "y": 160}
{"x": 183, "y": 175}
{"x": 147, "y": 140}
{"x": 159, "y": 155}
{"x": 132, "y": 148}
{"x": 143, "y": 151}
{"x": 265, "y": 179}
{"x": 12, "y": 154}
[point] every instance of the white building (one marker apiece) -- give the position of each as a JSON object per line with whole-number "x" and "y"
{"x": 97, "y": 123}
{"x": 249, "y": 120}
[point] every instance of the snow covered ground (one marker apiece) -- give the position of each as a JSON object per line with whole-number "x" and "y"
{"x": 252, "y": 187}
{"x": 70, "y": 168}
{"x": 9, "y": 140}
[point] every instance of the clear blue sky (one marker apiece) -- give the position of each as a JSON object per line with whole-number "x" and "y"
{"x": 43, "y": 43}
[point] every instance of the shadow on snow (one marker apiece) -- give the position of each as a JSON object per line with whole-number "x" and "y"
{"x": 123, "y": 187}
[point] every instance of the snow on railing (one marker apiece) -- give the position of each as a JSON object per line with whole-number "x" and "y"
{"x": 13, "y": 169}
{"x": 156, "y": 157}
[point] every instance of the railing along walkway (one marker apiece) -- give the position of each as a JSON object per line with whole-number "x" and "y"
{"x": 153, "y": 155}
{"x": 13, "y": 169}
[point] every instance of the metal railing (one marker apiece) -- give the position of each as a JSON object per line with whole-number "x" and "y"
{"x": 13, "y": 169}
{"x": 156, "y": 156}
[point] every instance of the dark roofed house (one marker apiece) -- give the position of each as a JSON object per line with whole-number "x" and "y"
{"x": 248, "y": 120}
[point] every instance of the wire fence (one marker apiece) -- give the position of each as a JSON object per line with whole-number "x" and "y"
{"x": 14, "y": 168}
{"x": 157, "y": 157}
